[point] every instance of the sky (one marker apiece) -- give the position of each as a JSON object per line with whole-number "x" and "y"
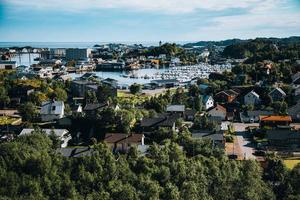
{"x": 146, "y": 20}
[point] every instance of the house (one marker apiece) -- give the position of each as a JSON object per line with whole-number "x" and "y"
{"x": 175, "y": 109}
{"x": 252, "y": 98}
{"x": 62, "y": 134}
{"x": 110, "y": 82}
{"x": 284, "y": 138}
{"x": 216, "y": 137}
{"x": 274, "y": 121}
{"x": 6, "y": 64}
{"x": 121, "y": 142}
{"x": 253, "y": 116}
{"x": 52, "y": 110}
{"x": 296, "y": 78}
{"x": 218, "y": 111}
{"x": 91, "y": 109}
{"x": 226, "y": 96}
{"x": 277, "y": 94}
{"x": 207, "y": 101}
{"x": 297, "y": 94}
{"x": 21, "y": 92}
{"x": 168, "y": 120}
{"x": 62, "y": 78}
{"x": 80, "y": 87}
{"x": 189, "y": 115}
{"x": 294, "y": 111}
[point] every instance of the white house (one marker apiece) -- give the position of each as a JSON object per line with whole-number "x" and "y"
{"x": 252, "y": 98}
{"x": 218, "y": 111}
{"x": 208, "y": 102}
{"x": 62, "y": 134}
{"x": 52, "y": 110}
{"x": 6, "y": 64}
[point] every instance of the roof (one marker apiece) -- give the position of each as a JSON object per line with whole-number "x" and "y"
{"x": 207, "y": 134}
{"x": 76, "y": 152}
{"x": 88, "y": 75}
{"x": 218, "y": 107}
{"x": 57, "y": 132}
{"x": 279, "y": 90}
{"x": 190, "y": 112}
{"x": 175, "y": 108}
{"x": 205, "y": 98}
{"x": 275, "y": 118}
{"x": 123, "y": 138}
{"x": 253, "y": 93}
{"x": 255, "y": 113}
{"x": 296, "y": 76}
{"x": 94, "y": 106}
{"x": 52, "y": 107}
{"x": 294, "y": 110}
{"x": 148, "y": 122}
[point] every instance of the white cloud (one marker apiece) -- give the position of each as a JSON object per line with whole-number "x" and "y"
{"x": 267, "y": 23}
{"x": 162, "y": 6}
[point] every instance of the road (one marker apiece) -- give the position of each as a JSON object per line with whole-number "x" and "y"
{"x": 242, "y": 145}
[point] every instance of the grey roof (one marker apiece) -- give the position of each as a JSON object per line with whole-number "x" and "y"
{"x": 279, "y": 90}
{"x": 190, "y": 112}
{"x": 164, "y": 121}
{"x": 76, "y": 152}
{"x": 294, "y": 110}
{"x": 208, "y": 134}
{"x": 148, "y": 122}
{"x": 88, "y": 75}
{"x": 57, "y": 132}
{"x": 256, "y": 113}
{"x": 52, "y": 107}
{"x": 175, "y": 108}
{"x": 94, "y": 106}
{"x": 253, "y": 93}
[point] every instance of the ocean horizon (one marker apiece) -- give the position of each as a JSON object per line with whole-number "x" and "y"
{"x": 80, "y": 44}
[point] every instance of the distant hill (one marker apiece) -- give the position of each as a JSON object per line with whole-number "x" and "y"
{"x": 216, "y": 43}
{"x": 261, "y": 49}
{"x": 289, "y": 40}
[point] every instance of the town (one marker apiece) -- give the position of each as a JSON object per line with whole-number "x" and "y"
{"x": 209, "y": 102}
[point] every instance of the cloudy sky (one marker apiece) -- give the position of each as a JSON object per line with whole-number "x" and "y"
{"x": 146, "y": 20}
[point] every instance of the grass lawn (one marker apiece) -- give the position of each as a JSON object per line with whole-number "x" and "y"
{"x": 7, "y": 120}
{"x": 291, "y": 163}
{"x": 124, "y": 96}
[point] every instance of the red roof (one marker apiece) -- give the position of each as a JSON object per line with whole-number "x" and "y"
{"x": 275, "y": 118}
{"x": 123, "y": 138}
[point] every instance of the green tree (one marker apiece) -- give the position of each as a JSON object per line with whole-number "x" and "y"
{"x": 4, "y": 98}
{"x": 135, "y": 88}
{"x": 28, "y": 111}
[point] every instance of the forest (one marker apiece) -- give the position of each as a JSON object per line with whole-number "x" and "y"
{"x": 181, "y": 168}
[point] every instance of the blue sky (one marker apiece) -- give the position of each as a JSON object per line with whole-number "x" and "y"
{"x": 146, "y": 20}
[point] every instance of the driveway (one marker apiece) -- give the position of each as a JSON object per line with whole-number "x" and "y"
{"x": 242, "y": 143}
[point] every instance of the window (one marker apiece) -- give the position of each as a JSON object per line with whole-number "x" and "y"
{"x": 53, "y": 107}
